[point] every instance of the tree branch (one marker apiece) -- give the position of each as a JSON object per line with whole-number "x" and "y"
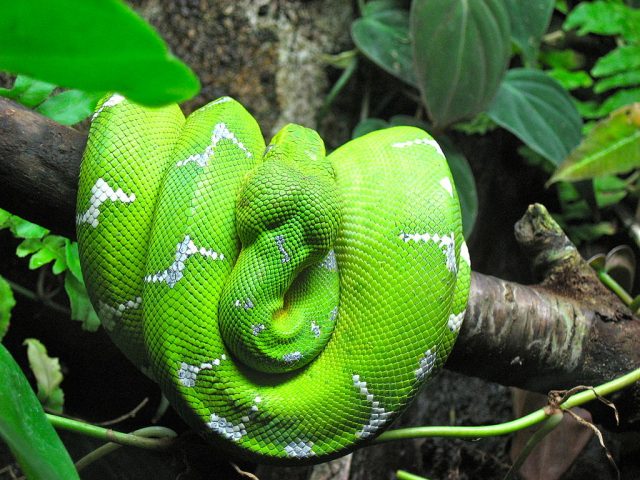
{"x": 567, "y": 330}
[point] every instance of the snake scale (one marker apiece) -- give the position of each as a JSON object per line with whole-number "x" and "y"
{"x": 289, "y": 303}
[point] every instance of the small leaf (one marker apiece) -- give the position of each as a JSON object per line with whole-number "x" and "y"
{"x": 461, "y": 50}
{"x": 25, "y": 229}
{"x": 536, "y": 109}
{"x": 612, "y": 146}
{"x": 7, "y": 302}
{"x": 604, "y": 18}
{"x": 70, "y": 107}
{"x": 621, "y": 59}
{"x": 619, "y": 99}
{"x": 28, "y": 246}
{"x": 26, "y": 430}
{"x": 73, "y": 259}
{"x": 571, "y": 80}
{"x": 102, "y": 46}
{"x": 52, "y": 248}
{"x": 47, "y": 373}
{"x": 624, "y": 79}
{"x": 368, "y": 125}
{"x": 384, "y": 38}
{"x": 81, "y": 308}
{"x": 529, "y": 21}
{"x": 28, "y": 91}
{"x": 4, "y": 219}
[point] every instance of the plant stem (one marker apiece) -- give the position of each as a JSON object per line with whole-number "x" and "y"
{"x": 164, "y": 435}
{"x": 514, "y": 425}
{"x": 615, "y": 287}
{"x": 403, "y": 475}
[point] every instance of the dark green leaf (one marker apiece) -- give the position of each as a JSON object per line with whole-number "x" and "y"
{"x": 618, "y": 100}
{"x": 461, "y": 50}
{"x": 464, "y": 181}
{"x": 26, "y": 430}
{"x": 93, "y": 46}
{"x": 70, "y": 107}
{"x": 48, "y": 375}
{"x": 529, "y": 21}
{"x": 368, "y": 125}
{"x": 376, "y": 6}
{"x": 536, "y": 109}
{"x": 81, "y": 308}
{"x": 28, "y": 91}
{"x": 612, "y": 146}
{"x": 384, "y": 38}
{"x": 7, "y": 302}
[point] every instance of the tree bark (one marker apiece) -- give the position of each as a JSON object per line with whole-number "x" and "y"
{"x": 567, "y": 330}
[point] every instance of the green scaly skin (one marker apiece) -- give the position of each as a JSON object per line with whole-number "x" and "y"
{"x": 289, "y": 304}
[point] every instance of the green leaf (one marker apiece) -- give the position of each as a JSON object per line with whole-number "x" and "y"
{"x": 48, "y": 375}
{"x": 81, "y": 308}
{"x": 623, "y": 79}
{"x": 383, "y": 37}
{"x": 93, "y": 46}
{"x": 604, "y": 18}
{"x": 70, "y": 107}
{"x": 529, "y": 21}
{"x": 536, "y": 109}
{"x": 26, "y": 430}
{"x": 7, "y": 302}
{"x": 52, "y": 249}
{"x": 609, "y": 190}
{"x": 28, "y": 91}
{"x": 619, "y": 60}
{"x": 5, "y": 218}
{"x": 368, "y": 125}
{"x": 25, "y": 229}
{"x": 73, "y": 259}
{"x": 612, "y": 146}
{"x": 570, "y": 80}
{"x": 376, "y": 6}
{"x": 618, "y": 100}
{"x": 461, "y": 50}
{"x": 464, "y": 181}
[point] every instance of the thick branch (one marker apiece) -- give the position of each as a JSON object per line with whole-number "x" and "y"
{"x": 568, "y": 330}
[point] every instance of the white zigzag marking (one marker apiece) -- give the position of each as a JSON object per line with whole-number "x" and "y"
{"x": 109, "y": 314}
{"x": 464, "y": 253}
{"x": 455, "y": 321}
{"x": 112, "y": 101}
{"x": 184, "y": 250}
{"x": 220, "y": 132}
{"x": 446, "y": 184}
{"x": 299, "y": 449}
{"x": 419, "y": 141}
{"x": 427, "y": 363}
{"x": 227, "y": 429}
{"x": 100, "y": 193}
{"x": 378, "y": 417}
{"x": 446, "y": 242}
{"x": 188, "y": 374}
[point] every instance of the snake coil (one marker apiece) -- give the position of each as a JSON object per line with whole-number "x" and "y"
{"x": 290, "y": 304}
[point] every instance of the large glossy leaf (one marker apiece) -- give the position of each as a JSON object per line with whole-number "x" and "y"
{"x": 529, "y": 21}
{"x": 536, "y": 109}
{"x": 612, "y": 146}
{"x": 92, "y": 45}
{"x": 461, "y": 49}
{"x": 383, "y": 36}
{"x": 26, "y": 430}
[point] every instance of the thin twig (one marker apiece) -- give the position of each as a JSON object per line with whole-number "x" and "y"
{"x": 127, "y": 415}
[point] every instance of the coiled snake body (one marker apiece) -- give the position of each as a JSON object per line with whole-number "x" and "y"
{"x": 289, "y": 304}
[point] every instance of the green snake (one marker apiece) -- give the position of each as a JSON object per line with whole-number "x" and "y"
{"x": 289, "y": 303}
